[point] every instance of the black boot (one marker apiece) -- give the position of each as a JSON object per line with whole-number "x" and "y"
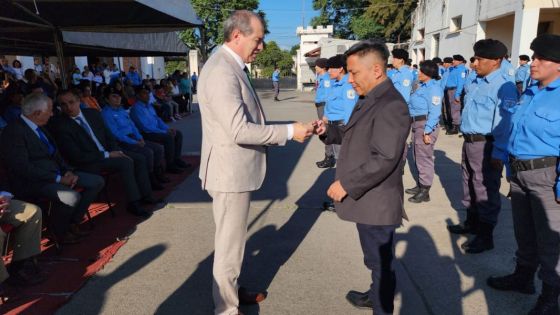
{"x": 413, "y": 191}
{"x": 522, "y": 280}
{"x": 423, "y": 195}
{"x": 156, "y": 185}
{"x": 359, "y": 299}
{"x": 329, "y": 161}
{"x": 547, "y": 304}
{"x": 483, "y": 241}
{"x": 469, "y": 226}
{"x": 453, "y": 131}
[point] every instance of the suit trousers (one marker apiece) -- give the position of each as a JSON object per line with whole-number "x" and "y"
{"x": 231, "y": 211}
{"x": 71, "y": 205}
{"x": 152, "y": 152}
{"x": 536, "y": 222}
{"x": 172, "y": 144}
{"x": 26, "y": 218}
{"x": 378, "y": 247}
{"x": 481, "y": 181}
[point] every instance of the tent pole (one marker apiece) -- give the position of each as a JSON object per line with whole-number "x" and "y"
{"x": 60, "y": 55}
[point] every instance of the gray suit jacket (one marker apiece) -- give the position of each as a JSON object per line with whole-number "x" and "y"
{"x": 370, "y": 162}
{"x": 234, "y": 130}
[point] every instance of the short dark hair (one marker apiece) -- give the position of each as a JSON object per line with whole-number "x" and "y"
{"x": 366, "y": 47}
{"x": 430, "y": 68}
{"x": 72, "y": 91}
{"x": 524, "y": 58}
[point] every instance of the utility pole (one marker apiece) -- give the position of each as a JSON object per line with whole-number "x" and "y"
{"x": 303, "y": 13}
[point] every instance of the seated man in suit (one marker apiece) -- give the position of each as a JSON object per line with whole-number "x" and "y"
{"x": 26, "y": 220}
{"x": 36, "y": 168}
{"x": 87, "y": 143}
{"x": 154, "y": 129}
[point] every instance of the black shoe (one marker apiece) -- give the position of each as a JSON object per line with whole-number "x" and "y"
{"x": 182, "y": 164}
{"x": 328, "y": 206}
{"x": 483, "y": 240}
{"x": 359, "y": 299}
{"x": 328, "y": 162}
{"x": 522, "y": 280}
{"x": 174, "y": 170}
{"x": 423, "y": 195}
{"x": 412, "y": 191}
{"x": 547, "y": 303}
{"x": 468, "y": 227}
{"x": 276, "y": 99}
{"x": 452, "y": 131}
{"x": 156, "y": 185}
{"x": 136, "y": 210}
{"x": 152, "y": 200}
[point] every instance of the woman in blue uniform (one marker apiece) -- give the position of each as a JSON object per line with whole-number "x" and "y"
{"x": 425, "y": 111}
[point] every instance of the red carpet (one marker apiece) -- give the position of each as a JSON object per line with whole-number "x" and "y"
{"x": 69, "y": 271}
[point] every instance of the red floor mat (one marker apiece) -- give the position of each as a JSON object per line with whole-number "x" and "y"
{"x": 69, "y": 271}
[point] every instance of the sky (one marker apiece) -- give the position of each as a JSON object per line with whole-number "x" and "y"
{"x": 284, "y": 16}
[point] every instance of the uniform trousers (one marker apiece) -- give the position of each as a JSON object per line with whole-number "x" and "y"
{"x": 378, "y": 247}
{"x": 536, "y": 222}
{"x": 26, "y": 218}
{"x": 481, "y": 181}
{"x": 453, "y": 107}
{"x": 152, "y": 152}
{"x": 424, "y": 153}
{"x": 231, "y": 212}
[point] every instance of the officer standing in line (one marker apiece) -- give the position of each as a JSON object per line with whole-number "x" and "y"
{"x": 535, "y": 185}
{"x": 508, "y": 69}
{"x": 453, "y": 91}
{"x": 522, "y": 75}
{"x": 339, "y": 105}
{"x": 439, "y": 63}
{"x": 402, "y": 77}
{"x": 323, "y": 85}
{"x": 276, "y": 83}
{"x": 471, "y": 75}
{"x": 445, "y": 115}
{"x": 485, "y": 124}
{"x": 425, "y": 111}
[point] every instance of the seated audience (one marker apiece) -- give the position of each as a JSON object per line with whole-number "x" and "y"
{"x": 89, "y": 100}
{"x": 15, "y": 99}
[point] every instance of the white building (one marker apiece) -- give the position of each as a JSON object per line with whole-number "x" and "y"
{"x": 309, "y": 40}
{"x": 443, "y": 28}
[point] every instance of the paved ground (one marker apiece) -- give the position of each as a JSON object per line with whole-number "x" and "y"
{"x": 305, "y": 258}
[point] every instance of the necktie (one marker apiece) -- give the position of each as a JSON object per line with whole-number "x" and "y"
{"x": 46, "y": 141}
{"x": 246, "y": 70}
{"x": 82, "y": 123}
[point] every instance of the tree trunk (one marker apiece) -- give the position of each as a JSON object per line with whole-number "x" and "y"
{"x": 203, "y": 45}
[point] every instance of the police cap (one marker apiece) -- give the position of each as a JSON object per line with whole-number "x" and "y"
{"x": 490, "y": 49}
{"x": 459, "y": 58}
{"x": 524, "y": 58}
{"x": 437, "y": 60}
{"x": 321, "y": 63}
{"x": 400, "y": 54}
{"x": 447, "y": 60}
{"x": 547, "y": 46}
{"x": 337, "y": 61}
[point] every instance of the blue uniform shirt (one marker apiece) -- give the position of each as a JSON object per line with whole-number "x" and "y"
{"x": 414, "y": 75}
{"x": 426, "y": 100}
{"x": 522, "y": 74}
{"x": 146, "y": 119}
{"x": 276, "y": 76}
{"x": 456, "y": 79}
{"x": 390, "y": 72}
{"x": 134, "y": 77}
{"x": 323, "y": 87}
{"x": 341, "y": 100}
{"x": 444, "y": 76}
{"x": 402, "y": 80}
{"x": 508, "y": 70}
{"x": 121, "y": 126}
{"x": 535, "y": 123}
{"x": 488, "y": 104}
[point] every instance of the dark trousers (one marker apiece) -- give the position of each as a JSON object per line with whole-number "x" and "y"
{"x": 481, "y": 181}
{"x": 172, "y": 145}
{"x": 423, "y": 153}
{"x": 152, "y": 152}
{"x": 536, "y": 222}
{"x": 70, "y": 205}
{"x": 276, "y": 86}
{"x": 333, "y": 149}
{"x": 320, "y": 109}
{"x": 378, "y": 247}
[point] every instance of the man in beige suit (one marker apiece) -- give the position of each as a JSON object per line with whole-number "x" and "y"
{"x": 235, "y": 136}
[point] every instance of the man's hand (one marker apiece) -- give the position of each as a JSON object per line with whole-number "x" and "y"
{"x": 427, "y": 139}
{"x": 319, "y": 127}
{"x": 4, "y": 205}
{"x": 497, "y": 164}
{"x": 69, "y": 179}
{"x": 302, "y": 131}
{"x": 336, "y": 191}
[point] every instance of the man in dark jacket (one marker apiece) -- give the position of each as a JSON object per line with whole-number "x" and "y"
{"x": 368, "y": 188}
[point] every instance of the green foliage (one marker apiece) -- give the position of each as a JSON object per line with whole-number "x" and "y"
{"x": 394, "y": 16}
{"x": 172, "y": 65}
{"x": 366, "y": 28}
{"x": 213, "y": 13}
{"x": 293, "y": 50}
{"x": 339, "y": 13}
{"x": 272, "y": 56}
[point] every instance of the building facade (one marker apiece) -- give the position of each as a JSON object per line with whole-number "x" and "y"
{"x": 442, "y": 28}
{"x": 309, "y": 40}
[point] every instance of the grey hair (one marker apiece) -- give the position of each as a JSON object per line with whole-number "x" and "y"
{"x": 240, "y": 20}
{"x": 34, "y": 102}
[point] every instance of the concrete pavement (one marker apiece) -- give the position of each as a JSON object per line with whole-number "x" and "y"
{"x": 306, "y": 259}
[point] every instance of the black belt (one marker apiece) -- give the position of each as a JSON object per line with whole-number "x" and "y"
{"x": 470, "y": 138}
{"x": 451, "y": 88}
{"x": 418, "y": 118}
{"x": 527, "y": 165}
{"x": 336, "y": 122}
{"x": 320, "y": 104}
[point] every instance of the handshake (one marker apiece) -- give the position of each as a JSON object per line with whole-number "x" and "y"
{"x": 303, "y": 131}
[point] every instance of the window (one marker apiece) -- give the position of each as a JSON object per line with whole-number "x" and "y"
{"x": 543, "y": 28}
{"x": 421, "y": 33}
{"x": 455, "y": 25}
{"x": 435, "y": 46}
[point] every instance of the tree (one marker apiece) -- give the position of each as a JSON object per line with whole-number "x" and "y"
{"x": 293, "y": 50}
{"x": 273, "y": 56}
{"x": 394, "y": 16}
{"x": 339, "y": 13}
{"x": 364, "y": 27}
{"x": 213, "y": 13}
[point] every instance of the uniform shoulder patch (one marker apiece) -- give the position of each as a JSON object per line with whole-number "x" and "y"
{"x": 406, "y": 82}
{"x": 511, "y": 72}
{"x": 463, "y": 75}
{"x": 351, "y": 94}
{"x": 327, "y": 83}
{"x": 436, "y": 100}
